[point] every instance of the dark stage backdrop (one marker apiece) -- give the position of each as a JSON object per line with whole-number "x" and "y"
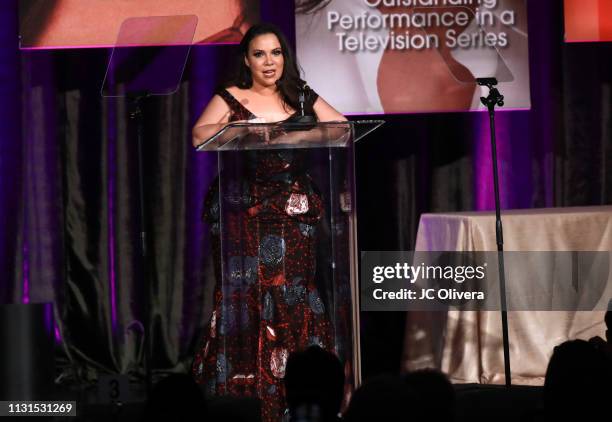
{"x": 68, "y": 187}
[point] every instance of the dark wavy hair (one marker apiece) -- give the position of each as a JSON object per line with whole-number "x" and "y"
{"x": 289, "y": 84}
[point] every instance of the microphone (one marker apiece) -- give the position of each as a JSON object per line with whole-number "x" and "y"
{"x": 301, "y": 100}
{"x": 301, "y": 116}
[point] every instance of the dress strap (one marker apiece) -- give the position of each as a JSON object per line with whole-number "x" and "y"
{"x": 239, "y": 111}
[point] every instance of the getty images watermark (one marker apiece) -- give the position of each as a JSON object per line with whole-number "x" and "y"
{"x": 429, "y": 281}
{"x": 422, "y": 272}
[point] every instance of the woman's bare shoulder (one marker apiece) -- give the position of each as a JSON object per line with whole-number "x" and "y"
{"x": 236, "y": 92}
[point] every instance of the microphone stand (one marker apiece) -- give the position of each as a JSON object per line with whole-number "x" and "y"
{"x": 136, "y": 115}
{"x": 495, "y": 98}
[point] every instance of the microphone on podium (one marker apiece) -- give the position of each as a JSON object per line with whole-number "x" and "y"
{"x": 302, "y": 117}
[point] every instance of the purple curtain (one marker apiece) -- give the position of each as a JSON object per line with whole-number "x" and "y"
{"x": 11, "y": 169}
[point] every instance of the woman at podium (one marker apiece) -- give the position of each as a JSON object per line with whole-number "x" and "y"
{"x": 266, "y": 302}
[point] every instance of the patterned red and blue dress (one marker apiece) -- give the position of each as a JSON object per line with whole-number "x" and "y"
{"x": 266, "y": 303}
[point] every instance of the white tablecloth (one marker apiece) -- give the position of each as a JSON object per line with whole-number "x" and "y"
{"x": 467, "y": 345}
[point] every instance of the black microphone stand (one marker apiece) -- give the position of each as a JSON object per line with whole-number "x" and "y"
{"x": 136, "y": 115}
{"x": 495, "y": 98}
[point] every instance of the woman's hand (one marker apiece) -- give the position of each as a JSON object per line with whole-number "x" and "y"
{"x": 203, "y": 130}
{"x": 320, "y": 135}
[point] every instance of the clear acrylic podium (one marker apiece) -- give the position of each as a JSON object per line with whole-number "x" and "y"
{"x": 283, "y": 219}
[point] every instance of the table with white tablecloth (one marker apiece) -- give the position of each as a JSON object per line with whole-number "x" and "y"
{"x": 467, "y": 345}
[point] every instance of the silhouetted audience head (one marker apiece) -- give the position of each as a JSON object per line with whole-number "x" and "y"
{"x": 599, "y": 343}
{"x": 314, "y": 379}
{"x": 385, "y": 398}
{"x": 436, "y": 394}
{"x": 176, "y": 398}
{"x": 578, "y": 382}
